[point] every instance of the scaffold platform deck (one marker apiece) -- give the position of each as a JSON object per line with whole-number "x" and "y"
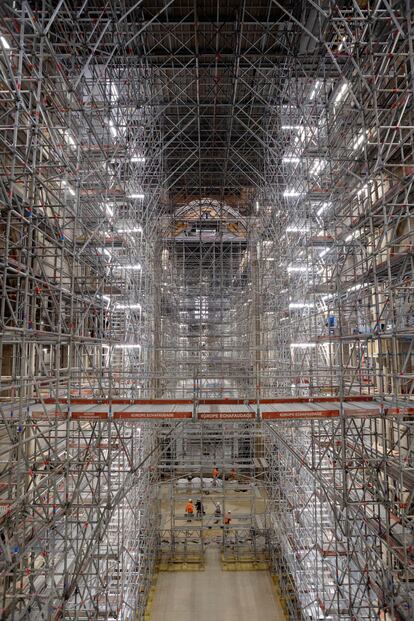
{"x": 277, "y": 409}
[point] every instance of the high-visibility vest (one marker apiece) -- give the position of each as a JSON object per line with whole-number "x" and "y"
{"x": 189, "y": 508}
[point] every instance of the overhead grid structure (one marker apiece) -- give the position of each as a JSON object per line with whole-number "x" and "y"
{"x": 203, "y": 202}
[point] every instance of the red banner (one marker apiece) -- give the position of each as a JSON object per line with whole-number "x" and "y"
{"x": 226, "y": 415}
{"x": 300, "y": 414}
{"x": 151, "y": 415}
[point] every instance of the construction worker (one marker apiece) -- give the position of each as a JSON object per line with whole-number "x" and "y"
{"x": 217, "y": 512}
{"x": 331, "y": 324}
{"x": 200, "y": 508}
{"x": 233, "y": 475}
{"x": 227, "y": 518}
{"x": 189, "y": 509}
{"x": 215, "y": 475}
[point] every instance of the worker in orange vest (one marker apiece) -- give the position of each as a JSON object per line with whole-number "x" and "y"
{"x": 233, "y": 474}
{"x": 189, "y": 509}
{"x": 215, "y": 475}
{"x": 227, "y": 518}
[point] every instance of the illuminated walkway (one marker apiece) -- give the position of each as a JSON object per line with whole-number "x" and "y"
{"x": 215, "y": 595}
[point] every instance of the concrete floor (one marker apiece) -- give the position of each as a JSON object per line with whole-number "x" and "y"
{"x": 215, "y": 595}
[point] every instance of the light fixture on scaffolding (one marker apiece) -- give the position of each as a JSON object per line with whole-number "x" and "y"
{"x": 359, "y": 140}
{"x": 363, "y": 192}
{"x": 342, "y": 91}
{"x": 4, "y": 43}
{"x": 298, "y": 268}
{"x": 127, "y": 306}
{"x": 68, "y": 138}
{"x": 108, "y": 208}
{"x": 315, "y": 90}
{"x": 302, "y": 345}
{"x": 357, "y": 287}
{"x": 136, "y": 195}
{"x": 137, "y": 229}
{"x": 323, "y": 207}
{"x": 353, "y": 235}
{"x": 317, "y": 167}
{"x": 301, "y": 305}
{"x": 112, "y": 128}
{"x": 106, "y": 298}
{"x": 341, "y": 45}
{"x": 131, "y": 267}
{"x": 68, "y": 188}
{"x": 290, "y": 193}
{"x": 290, "y": 160}
{"x": 137, "y": 159}
{"x": 106, "y": 252}
{"x": 114, "y": 93}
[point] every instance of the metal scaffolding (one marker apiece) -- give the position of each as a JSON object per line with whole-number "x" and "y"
{"x": 206, "y": 213}
{"x": 341, "y": 522}
{"x": 234, "y": 451}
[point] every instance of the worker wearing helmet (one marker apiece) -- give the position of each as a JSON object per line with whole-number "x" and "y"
{"x": 189, "y": 509}
{"x": 227, "y": 518}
